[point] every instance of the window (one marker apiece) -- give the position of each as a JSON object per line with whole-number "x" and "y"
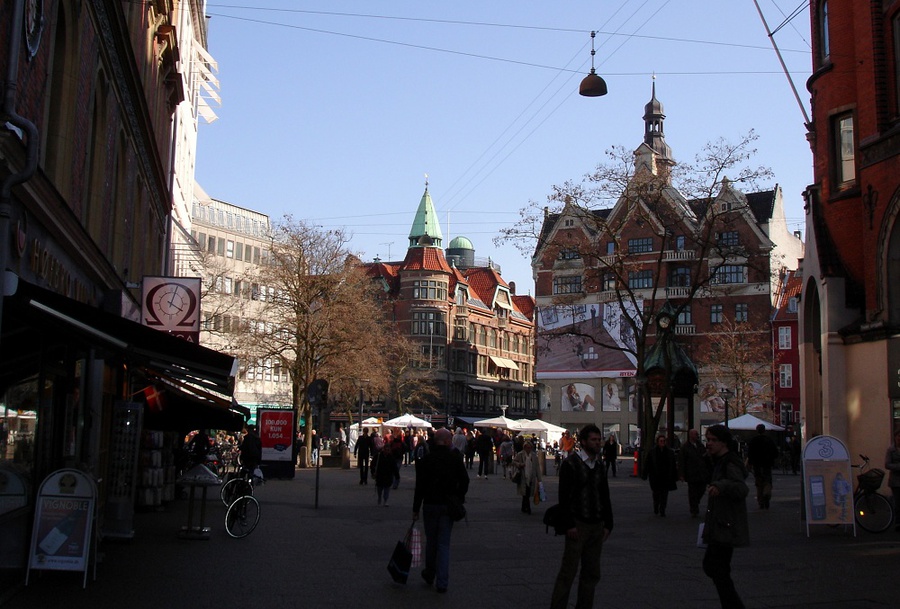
{"x": 741, "y": 312}
{"x": 429, "y": 290}
{"x": 729, "y": 273}
{"x": 715, "y": 314}
{"x": 680, "y": 277}
{"x": 428, "y": 323}
{"x": 786, "y": 376}
{"x": 845, "y": 151}
{"x": 637, "y": 246}
{"x": 229, "y": 249}
{"x": 256, "y": 255}
{"x": 824, "y": 39}
{"x": 568, "y": 253}
{"x": 679, "y": 243}
{"x": 459, "y": 329}
{"x": 610, "y": 248}
{"x": 640, "y": 279}
{"x": 609, "y": 282}
{"x": 238, "y": 251}
{"x": 784, "y": 337}
{"x": 220, "y": 247}
{"x": 729, "y": 239}
{"x": 787, "y": 413}
{"x": 792, "y": 305}
{"x": 685, "y": 318}
{"x": 567, "y": 284}
{"x": 211, "y": 245}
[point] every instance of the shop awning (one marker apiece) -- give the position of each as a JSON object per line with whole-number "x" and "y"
{"x": 480, "y": 388}
{"x": 200, "y": 381}
{"x": 502, "y": 362}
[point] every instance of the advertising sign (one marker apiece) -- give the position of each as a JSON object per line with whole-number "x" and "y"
{"x": 63, "y": 523}
{"x": 827, "y": 482}
{"x": 172, "y": 304}
{"x": 276, "y": 430}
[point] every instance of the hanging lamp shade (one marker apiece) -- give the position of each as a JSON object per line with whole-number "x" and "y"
{"x": 592, "y": 85}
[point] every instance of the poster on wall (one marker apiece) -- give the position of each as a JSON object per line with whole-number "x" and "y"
{"x": 610, "y": 401}
{"x": 578, "y": 397}
{"x": 276, "y": 432}
{"x": 63, "y": 523}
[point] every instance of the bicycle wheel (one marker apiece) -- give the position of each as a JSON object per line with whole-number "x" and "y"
{"x": 873, "y": 512}
{"x": 231, "y": 490}
{"x": 242, "y": 516}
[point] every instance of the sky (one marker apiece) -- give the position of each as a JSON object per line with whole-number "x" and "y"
{"x": 334, "y": 111}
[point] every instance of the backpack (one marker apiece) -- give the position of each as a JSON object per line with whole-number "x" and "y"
{"x": 556, "y": 518}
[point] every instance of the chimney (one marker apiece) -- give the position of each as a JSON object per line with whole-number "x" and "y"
{"x": 798, "y": 234}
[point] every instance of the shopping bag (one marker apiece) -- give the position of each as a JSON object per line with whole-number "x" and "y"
{"x": 537, "y": 496}
{"x": 700, "y": 542}
{"x": 415, "y": 546}
{"x": 400, "y": 562}
{"x": 542, "y": 492}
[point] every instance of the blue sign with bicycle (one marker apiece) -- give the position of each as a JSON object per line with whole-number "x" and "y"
{"x": 828, "y": 486}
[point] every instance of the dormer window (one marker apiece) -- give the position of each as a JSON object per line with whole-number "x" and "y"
{"x": 568, "y": 253}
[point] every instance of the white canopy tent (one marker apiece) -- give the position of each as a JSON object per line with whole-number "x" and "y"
{"x": 547, "y": 431}
{"x": 502, "y": 422}
{"x": 749, "y": 422}
{"x": 407, "y": 420}
{"x": 370, "y": 422}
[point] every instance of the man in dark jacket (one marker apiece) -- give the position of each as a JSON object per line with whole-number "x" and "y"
{"x": 584, "y": 501}
{"x": 362, "y": 451}
{"x": 440, "y": 475}
{"x": 761, "y": 455}
{"x": 251, "y": 450}
{"x": 694, "y": 468}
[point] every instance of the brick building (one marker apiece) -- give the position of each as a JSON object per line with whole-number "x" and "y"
{"x": 475, "y": 334}
{"x": 785, "y": 347}
{"x": 850, "y": 309}
{"x": 711, "y": 260}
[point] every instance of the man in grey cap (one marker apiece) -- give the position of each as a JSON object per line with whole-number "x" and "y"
{"x": 459, "y": 441}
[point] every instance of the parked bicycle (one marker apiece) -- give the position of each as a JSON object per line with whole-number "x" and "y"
{"x": 872, "y": 510}
{"x": 243, "y": 511}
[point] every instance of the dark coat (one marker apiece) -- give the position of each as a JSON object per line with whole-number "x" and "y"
{"x": 440, "y": 474}
{"x": 661, "y": 469}
{"x": 384, "y": 466}
{"x": 694, "y": 465}
{"x": 726, "y": 514}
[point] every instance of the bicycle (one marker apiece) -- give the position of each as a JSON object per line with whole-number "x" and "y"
{"x": 872, "y": 510}
{"x": 243, "y": 511}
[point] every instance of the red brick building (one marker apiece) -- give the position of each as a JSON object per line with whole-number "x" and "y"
{"x": 850, "y": 311}
{"x": 711, "y": 260}
{"x": 785, "y": 349}
{"x": 475, "y": 334}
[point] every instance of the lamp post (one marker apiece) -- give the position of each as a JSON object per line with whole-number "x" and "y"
{"x": 359, "y": 425}
{"x": 726, "y": 394}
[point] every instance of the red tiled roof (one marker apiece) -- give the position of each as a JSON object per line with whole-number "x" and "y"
{"x": 425, "y": 259}
{"x": 790, "y": 286}
{"x": 525, "y": 305}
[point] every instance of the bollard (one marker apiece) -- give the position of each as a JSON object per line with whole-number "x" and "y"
{"x": 634, "y": 472}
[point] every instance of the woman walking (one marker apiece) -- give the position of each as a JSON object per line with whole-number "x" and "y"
{"x": 526, "y": 462}
{"x": 725, "y": 526}
{"x": 663, "y": 473}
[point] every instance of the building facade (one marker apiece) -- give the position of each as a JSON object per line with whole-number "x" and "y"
{"x": 711, "y": 260}
{"x": 850, "y": 307}
{"x": 90, "y": 95}
{"x": 475, "y": 335}
{"x": 786, "y": 350}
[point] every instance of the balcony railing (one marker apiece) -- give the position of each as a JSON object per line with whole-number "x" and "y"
{"x": 678, "y": 292}
{"x": 684, "y": 329}
{"x": 677, "y": 255}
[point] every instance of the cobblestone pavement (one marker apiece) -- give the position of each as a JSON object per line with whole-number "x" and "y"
{"x": 335, "y": 555}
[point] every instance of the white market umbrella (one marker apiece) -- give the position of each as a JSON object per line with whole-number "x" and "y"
{"x": 370, "y": 422}
{"x": 500, "y": 421}
{"x": 407, "y": 420}
{"x": 539, "y": 425}
{"x": 749, "y": 422}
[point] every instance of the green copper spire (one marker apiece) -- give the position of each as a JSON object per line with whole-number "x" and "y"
{"x": 425, "y": 229}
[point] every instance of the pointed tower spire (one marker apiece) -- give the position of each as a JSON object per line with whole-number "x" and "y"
{"x": 425, "y": 231}
{"x": 654, "y": 117}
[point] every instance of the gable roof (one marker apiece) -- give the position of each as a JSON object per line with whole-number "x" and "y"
{"x": 790, "y": 286}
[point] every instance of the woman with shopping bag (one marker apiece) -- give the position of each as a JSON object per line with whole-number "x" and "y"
{"x": 526, "y": 462}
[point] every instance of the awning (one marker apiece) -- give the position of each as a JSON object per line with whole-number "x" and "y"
{"x": 200, "y": 380}
{"x": 480, "y": 388}
{"x": 502, "y": 362}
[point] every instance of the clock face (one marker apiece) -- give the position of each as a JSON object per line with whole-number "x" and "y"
{"x": 171, "y": 304}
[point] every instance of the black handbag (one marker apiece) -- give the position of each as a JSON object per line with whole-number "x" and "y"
{"x": 455, "y": 508}
{"x": 401, "y": 561}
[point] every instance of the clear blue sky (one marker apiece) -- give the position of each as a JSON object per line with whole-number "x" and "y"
{"x": 334, "y": 111}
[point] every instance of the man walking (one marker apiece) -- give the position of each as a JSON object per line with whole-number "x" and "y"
{"x": 584, "y": 502}
{"x": 440, "y": 476}
{"x": 362, "y": 450}
{"x": 694, "y": 468}
{"x": 761, "y": 455}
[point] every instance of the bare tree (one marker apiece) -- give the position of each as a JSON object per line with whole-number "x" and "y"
{"x": 317, "y": 315}
{"x": 684, "y": 210}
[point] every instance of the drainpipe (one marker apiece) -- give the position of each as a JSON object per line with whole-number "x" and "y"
{"x": 8, "y": 115}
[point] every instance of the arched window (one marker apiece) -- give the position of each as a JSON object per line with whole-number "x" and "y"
{"x": 824, "y": 40}
{"x": 59, "y": 110}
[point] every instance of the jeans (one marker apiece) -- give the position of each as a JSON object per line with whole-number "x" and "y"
{"x": 695, "y": 494}
{"x": 717, "y": 565}
{"x": 363, "y": 463}
{"x": 484, "y": 460}
{"x": 526, "y": 500}
{"x": 660, "y": 501}
{"x": 438, "y": 527}
{"x": 383, "y": 493}
{"x": 584, "y": 551}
